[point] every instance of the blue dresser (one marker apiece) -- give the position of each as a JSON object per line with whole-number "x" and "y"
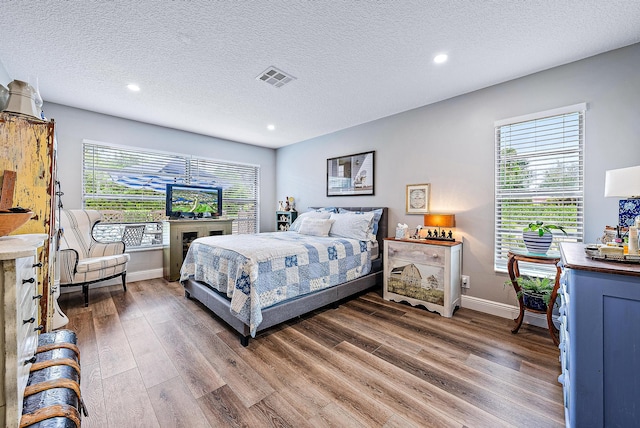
{"x": 599, "y": 340}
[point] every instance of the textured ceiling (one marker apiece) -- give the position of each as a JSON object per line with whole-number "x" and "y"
{"x": 354, "y": 61}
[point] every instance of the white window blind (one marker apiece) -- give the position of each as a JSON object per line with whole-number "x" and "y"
{"x": 539, "y": 174}
{"x": 134, "y": 181}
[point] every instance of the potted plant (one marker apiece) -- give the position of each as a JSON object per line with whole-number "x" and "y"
{"x": 538, "y": 236}
{"x": 535, "y": 292}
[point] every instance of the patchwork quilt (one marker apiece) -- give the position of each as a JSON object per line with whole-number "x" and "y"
{"x": 260, "y": 270}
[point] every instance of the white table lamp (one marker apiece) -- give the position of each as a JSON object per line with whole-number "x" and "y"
{"x": 624, "y": 183}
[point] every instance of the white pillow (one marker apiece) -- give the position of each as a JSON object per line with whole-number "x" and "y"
{"x": 377, "y": 214}
{"x": 351, "y": 226}
{"x": 295, "y": 226}
{"x": 315, "y": 226}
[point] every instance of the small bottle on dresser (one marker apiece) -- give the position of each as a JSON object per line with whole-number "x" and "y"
{"x": 633, "y": 240}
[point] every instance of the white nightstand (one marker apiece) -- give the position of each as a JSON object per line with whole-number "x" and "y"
{"x": 423, "y": 272}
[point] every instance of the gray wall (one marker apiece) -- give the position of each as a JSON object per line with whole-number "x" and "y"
{"x": 451, "y": 145}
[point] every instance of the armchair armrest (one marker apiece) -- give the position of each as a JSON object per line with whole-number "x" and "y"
{"x": 99, "y": 249}
{"x": 68, "y": 265}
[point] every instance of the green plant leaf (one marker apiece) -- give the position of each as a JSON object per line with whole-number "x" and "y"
{"x": 541, "y": 228}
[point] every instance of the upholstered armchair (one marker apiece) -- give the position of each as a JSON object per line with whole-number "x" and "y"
{"x": 83, "y": 260}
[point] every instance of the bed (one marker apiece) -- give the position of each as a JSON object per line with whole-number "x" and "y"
{"x": 205, "y": 278}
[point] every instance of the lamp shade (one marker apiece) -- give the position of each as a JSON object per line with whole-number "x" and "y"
{"x": 623, "y": 182}
{"x": 440, "y": 220}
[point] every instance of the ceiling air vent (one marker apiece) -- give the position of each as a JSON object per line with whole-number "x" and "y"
{"x": 275, "y": 77}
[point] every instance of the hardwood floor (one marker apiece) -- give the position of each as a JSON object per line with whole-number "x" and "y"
{"x": 151, "y": 358}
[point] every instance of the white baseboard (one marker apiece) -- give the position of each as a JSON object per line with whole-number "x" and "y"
{"x": 145, "y": 274}
{"x": 502, "y": 310}
{"x": 131, "y": 277}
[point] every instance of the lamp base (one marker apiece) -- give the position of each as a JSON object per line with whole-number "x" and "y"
{"x": 439, "y": 239}
{"x": 436, "y": 235}
{"x": 628, "y": 211}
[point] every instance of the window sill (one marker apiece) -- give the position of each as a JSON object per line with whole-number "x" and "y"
{"x": 143, "y": 249}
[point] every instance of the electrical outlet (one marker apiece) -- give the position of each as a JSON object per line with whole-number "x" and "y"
{"x": 466, "y": 281}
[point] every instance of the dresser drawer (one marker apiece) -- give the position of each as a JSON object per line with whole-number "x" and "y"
{"x": 26, "y": 299}
{"x": 565, "y": 381}
{"x": 26, "y": 331}
{"x": 27, "y": 275}
{"x": 26, "y": 310}
{"x": 418, "y": 253}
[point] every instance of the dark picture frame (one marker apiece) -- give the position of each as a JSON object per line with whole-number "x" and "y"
{"x": 351, "y": 175}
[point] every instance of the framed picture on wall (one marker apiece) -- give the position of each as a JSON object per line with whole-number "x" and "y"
{"x": 417, "y": 198}
{"x": 351, "y": 175}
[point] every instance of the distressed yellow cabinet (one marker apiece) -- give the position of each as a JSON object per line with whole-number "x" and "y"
{"x": 27, "y": 146}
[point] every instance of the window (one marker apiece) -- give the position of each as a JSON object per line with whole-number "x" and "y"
{"x": 539, "y": 176}
{"x": 132, "y": 183}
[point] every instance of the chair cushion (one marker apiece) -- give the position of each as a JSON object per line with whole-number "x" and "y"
{"x": 97, "y": 275}
{"x": 101, "y": 263}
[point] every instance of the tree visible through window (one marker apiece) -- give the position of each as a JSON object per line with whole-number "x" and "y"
{"x": 132, "y": 182}
{"x": 539, "y": 177}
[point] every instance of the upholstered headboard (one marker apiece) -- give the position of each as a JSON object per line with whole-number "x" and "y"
{"x": 383, "y": 226}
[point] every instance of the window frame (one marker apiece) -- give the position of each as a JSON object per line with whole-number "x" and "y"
{"x": 547, "y": 159}
{"x": 184, "y": 169}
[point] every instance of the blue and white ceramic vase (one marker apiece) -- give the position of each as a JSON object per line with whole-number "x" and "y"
{"x": 534, "y": 300}
{"x": 537, "y": 244}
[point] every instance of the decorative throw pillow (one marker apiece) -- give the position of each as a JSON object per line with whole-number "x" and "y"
{"x": 353, "y": 226}
{"x": 377, "y": 214}
{"x": 295, "y": 226}
{"x": 315, "y": 226}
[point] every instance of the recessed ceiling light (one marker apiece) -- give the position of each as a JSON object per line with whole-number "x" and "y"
{"x": 133, "y": 87}
{"x": 439, "y": 59}
{"x": 271, "y": 127}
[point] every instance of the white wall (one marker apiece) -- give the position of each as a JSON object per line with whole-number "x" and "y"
{"x": 4, "y": 76}
{"x": 450, "y": 144}
{"x": 73, "y": 125}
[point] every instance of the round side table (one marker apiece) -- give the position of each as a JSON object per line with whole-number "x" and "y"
{"x": 514, "y": 257}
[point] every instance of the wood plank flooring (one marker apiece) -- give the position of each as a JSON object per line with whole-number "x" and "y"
{"x": 151, "y": 358}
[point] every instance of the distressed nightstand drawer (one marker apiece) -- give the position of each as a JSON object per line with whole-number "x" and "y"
{"x": 418, "y": 253}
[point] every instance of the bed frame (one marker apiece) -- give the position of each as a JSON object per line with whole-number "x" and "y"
{"x": 219, "y": 304}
